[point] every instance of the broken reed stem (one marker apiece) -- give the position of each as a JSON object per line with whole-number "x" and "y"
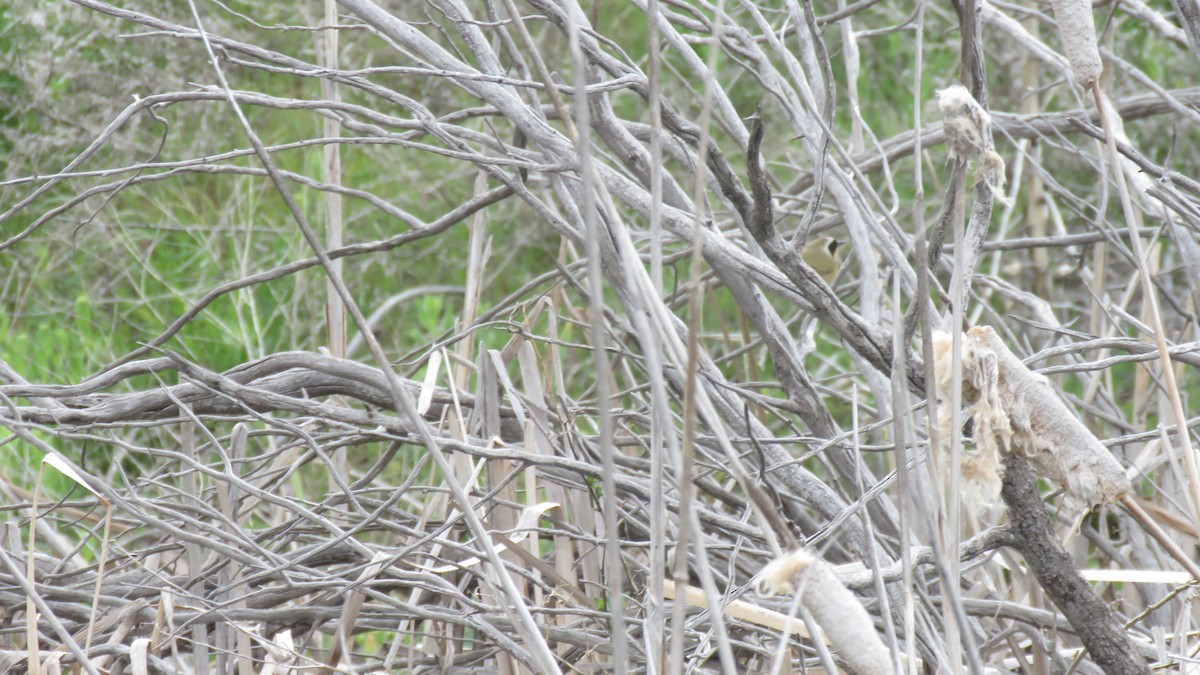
{"x": 1150, "y": 297}
{"x": 1160, "y": 536}
{"x": 1078, "y": 32}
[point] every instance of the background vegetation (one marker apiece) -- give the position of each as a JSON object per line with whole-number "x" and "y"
{"x": 616, "y": 393}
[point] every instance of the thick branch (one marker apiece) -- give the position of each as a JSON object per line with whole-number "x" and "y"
{"x": 1102, "y": 635}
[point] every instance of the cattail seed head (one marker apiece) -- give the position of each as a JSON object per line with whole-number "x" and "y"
{"x": 966, "y": 123}
{"x": 1077, "y": 29}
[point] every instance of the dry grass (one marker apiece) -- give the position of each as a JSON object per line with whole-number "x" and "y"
{"x": 580, "y": 460}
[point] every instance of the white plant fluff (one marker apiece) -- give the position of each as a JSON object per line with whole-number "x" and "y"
{"x": 968, "y": 129}
{"x": 1016, "y": 410}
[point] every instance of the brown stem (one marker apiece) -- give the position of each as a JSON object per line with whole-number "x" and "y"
{"x": 1098, "y": 628}
{"x": 1161, "y": 537}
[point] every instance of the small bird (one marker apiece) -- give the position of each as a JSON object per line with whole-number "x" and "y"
{"x": 821, "y": 254}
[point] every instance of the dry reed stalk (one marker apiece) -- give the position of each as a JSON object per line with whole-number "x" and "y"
{"x": 477, "y": 95}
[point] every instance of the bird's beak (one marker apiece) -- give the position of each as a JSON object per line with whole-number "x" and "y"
{"x": 835, "y": 245}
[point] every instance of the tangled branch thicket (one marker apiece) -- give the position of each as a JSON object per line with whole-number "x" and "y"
{"x": 591, "y": 387}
